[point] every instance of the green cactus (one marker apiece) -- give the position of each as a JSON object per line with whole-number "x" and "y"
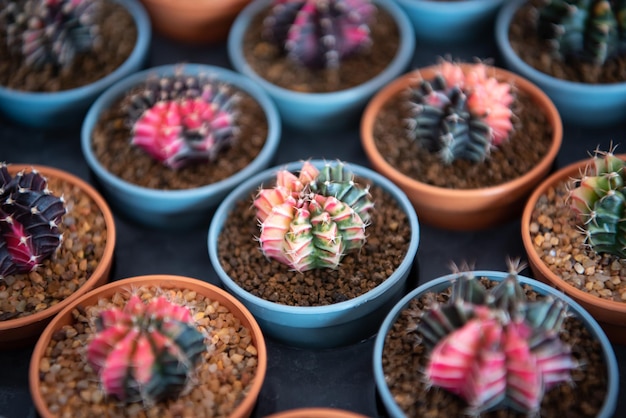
{"x": 589, "y": 30}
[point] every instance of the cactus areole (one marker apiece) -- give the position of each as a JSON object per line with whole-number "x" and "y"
{"x": 495, "y": 349}
{"x": 145, "y": 351}
{"x": 182, "y": 119}
{"x": 320, "y": 33}
{"x": 30, "y": 216}
{"x": 312, "y": 220}
{"x": 460, "y": 115}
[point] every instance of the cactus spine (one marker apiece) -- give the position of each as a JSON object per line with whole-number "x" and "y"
{"x": 145, "y": 351}
{"x": 30, "y": 216}
{"x": 320, "y": 33}
{"x": 312, "y": 220}
{"x": 494, "y": 348}
{"x": 460, "y": 115}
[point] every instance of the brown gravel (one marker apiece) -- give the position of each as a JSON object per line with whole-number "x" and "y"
{"x": 268, "y": 61}
{"x": 218, "y": 384}
{"x": 117, "y": 28}
{"x": 561, "y": 246}
{"x": 404, "y": 357}
{"x": 84, "y": 240}
{"x": 388, "y": 238}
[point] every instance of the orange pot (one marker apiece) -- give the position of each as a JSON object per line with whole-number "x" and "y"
{"x": 22, "y": 331}
{"x": 194, "y": 21}
{"x": 470, "y": 209}
{"x": 611, "y": 315}
{"x": 208, "y": 290}
{"x": 316, "y": 413}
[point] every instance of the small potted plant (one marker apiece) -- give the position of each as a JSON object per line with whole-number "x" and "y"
{"x": 577, "y": 51}
{"x": 299, "y": 257}
{"x": 321, "y": 61}
{"x": 572, "y": 233}
{"x": 467, "y": 142}
{"x": 168, "y": 143}
{"x": 475, "y": 342}
{"x": 57, "y": 237}
{"x": 159, "y": 344}
{"x": 60, "y": 55}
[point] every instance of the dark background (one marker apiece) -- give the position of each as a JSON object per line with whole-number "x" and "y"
{"x": 342, "y": 377}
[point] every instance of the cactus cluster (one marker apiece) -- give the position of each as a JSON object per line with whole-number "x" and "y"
{"x": 587, "y": 30}
{"x": 183, "y": 118}
{"x": 320, "y": 33}
{"x": 460, "y": 115}
{"x": 312, "y": 220}
{"x": 599, "y": 200}
{"x": 145, "y": 351}
{"x": 30, "y": 216}
{"x": 50, "y": 32}
{"x": 494, "y": 348}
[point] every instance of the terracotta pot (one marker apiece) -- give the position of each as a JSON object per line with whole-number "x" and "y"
{"x": 244, "y": 409}
{"x": 469, "y": 209}
{"x": 194, "y": 21}
{"x": 611, "y": 315}
{"x": 316, "y": 413}
{"x": 22, "y": 331}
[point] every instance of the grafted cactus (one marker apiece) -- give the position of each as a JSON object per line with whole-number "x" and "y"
{"x": 312, "y": 220}
{"x": 461, "y": 114}
{"x": 494, "y": 348}
{"x": 600, "y": 202}
{"x": 145, "y": 351}
{"x": 589, "y": 30}
{"x": 30, "y": 216}
{"x": 183, "y": 118}
{"x": 50, "y": 31}
{"x": 320, "y": 33}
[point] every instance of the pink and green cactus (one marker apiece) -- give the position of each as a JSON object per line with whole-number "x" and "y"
{"x": 312, "y": 220}
{"x": 30, "y": 216}
{"x": 145, "y": 351}
{"x": 588, "y": 30}
{"x": 182, "y": 119}
{"x": 494, "y": 348}
{"x": 461, "y": 115}
{"x": 599, "y": 200}
{"x": 50, "y": 32}
{"x": 320, "y": 33}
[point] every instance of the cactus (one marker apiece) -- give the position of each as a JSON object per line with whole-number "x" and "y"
{"x": 495, "y": 349}
{"x": 320, "y": 33}
{"x": 460, "y": 115}
{"x": 50, "y": 31}
{"x": 599, "y": 201}
{"x": 588, "y": 30}
{"x": 312, "y": 220}
{"x": 183, "y": 119}
{"x": 145, "y": 351}
{"x": 30, "y": 216}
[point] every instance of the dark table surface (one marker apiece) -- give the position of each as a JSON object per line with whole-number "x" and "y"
{"x": 339, "y": 378}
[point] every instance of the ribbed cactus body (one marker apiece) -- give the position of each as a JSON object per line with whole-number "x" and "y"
{"x": 494, "y": 348}
{"x": 591, "y": 30}
{"x": 600, "y": 202}
{"x": 320, "y": 33}
{"x": 145, "y": 351}
{"x": 30, "y": 216}
{"x": 50, "y": 31}
{"x": 313, "y": 220}
{"x": 460, "y": 116}
{"x": 183, "y": 119}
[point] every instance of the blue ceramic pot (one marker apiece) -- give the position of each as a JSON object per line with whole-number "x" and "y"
{"x": 55, "y": 109}
{"x": 451, "y": 21}
{"x": 322, "y": 111}
{"x": 442, "y": 283}
{"x": 579, "y": 103}
{"x": 169, "y": 209}
{"x": 318, "y": 326}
